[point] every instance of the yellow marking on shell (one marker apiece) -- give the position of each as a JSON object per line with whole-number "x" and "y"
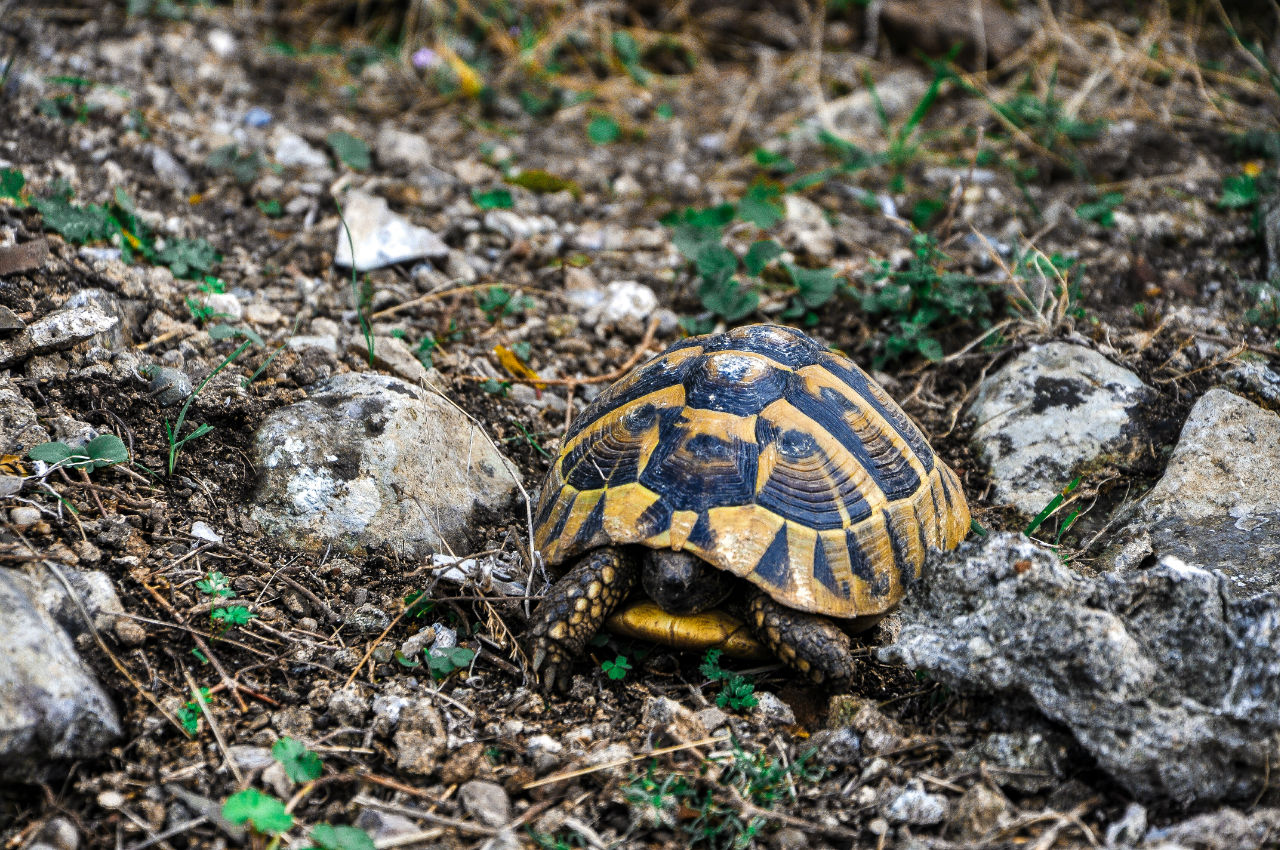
{"x": 955, "y": 526}
{"x": 784, "y": 416}
{"x": 836, "y": 548}
{"x": 868, "y": 419}
{"x": 564, "y": 496}
{"x": 581, "y": 509}
{"x": 743, "y": 532}
{"x": 800, "y": 590}
{"x": 694, "y": 421}
{"x": 627, "y": 502}
{"x": 904, "y": 523}
{"x": 681, "y": 524}
{"x": 667, "y": 397}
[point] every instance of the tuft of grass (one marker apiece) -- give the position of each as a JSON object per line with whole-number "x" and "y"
{"x": 1101, "y": 211}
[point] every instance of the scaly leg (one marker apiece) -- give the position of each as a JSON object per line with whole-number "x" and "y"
{"x": 574, "y": 609}
{"x": 808, "y": 643}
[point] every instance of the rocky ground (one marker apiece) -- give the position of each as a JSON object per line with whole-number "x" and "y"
{"x": 265, "y": 519}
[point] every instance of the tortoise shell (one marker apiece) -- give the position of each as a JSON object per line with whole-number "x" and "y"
{"x": 766, "y": 455}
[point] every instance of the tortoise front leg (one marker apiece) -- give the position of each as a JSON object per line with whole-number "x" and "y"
{"x": 808, "y": 643}
{"x": 574, "y": 609}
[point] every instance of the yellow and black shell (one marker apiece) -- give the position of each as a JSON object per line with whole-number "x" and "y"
{"x": 766, "y": 455}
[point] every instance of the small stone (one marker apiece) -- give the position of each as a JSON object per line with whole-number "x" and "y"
{"x": 790, "y": 838}
{"x": 421, "y": 739}
{"x": 261, "y": 313}
{"x": 249, "y": 757}
{"x": 86, "y": 552}
{"x": 367, "y": 619}
{"x": 292, "y": 151}
{"x": 401, "y": 150}
{"x": 129, "y": 632}
{"x": 380, "y": 236}
{"x": 913, "y": 805}
{"x": 24, "y": 516}
{"x": 59, "y": 834}
{"x": 837, "y": 747}
{"x": 348, "y": 706}
{"x": 772, "y": 711}
{"x": 624, "y": 303}
{"x": 978, "y": 811}
{"x": 1129, "y": 829}
{"x": 203, "y": 531}
{"x": 463, "y": 764}
{"x": 668, "y": 717}
{"x": 806, "y": 227}
{"x": 384, "y": 826}
{"x": 712, "y": 718}
{"x": 487, "y": 802}
{"x": 294, "y": 721}
{"x": 110, "y": 800}
{"x": 169, "y": 385}
{"x": 545, "y": 753}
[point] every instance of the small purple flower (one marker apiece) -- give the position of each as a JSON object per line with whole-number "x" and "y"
{"x": 425, "y": 58}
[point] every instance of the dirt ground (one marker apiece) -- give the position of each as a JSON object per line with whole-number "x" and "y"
{"x": 1165, "y": 287}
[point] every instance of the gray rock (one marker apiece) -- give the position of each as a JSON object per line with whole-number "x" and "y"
{"x": 1050, "y": 410}
{"x": 772, "y": 711}
{"x": 807, "y": 228}
{"x": 348, "y": 706}
{"x": 420, "y": 740}
{"x": 915, "y": 806}
{"x": 169, "y": 385}
{"x": 978, "y": 811}
{"x": 1215, "y": 506}
{"x": 168, "y": 169}
{"x": 624, "y": 303}
{"x": 1023, "y": 760}
{"x": 853, "y": 116}
{"x": 545, "y": 752}
{"x": 1253, "y": 377}
{"x": 369, "y": 460}
{"x": 93, "y": 589}
{"x": 20, "y": 429}
{"x": 836, "y": 747}
{"x": 394, "y": 355}
{"x": 1129, "y": 829}
{"x": 126, "y": 314}
{"x": 398, "y": 149}
{"x": 380, "y": 236}
{"x": 1225, "y": 829}
{"x": 367, "y": 619}
{"x": 52, "y": 710}
{"x": 1167, "y": 680}
{"x": 57, "y": 331}
{"x": 514, "y": 226}
{"x": 487, "y": 802}
{"x": 293, "y": 151}
{"x": 385, "y": 825}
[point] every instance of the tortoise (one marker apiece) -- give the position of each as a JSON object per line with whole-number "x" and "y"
{"x": 754, "y": 464}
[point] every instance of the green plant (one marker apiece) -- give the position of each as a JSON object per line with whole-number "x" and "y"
{"x": 497, "y": 303}
{"x": 736, "y": 691}
{"x": 103, "y": 450}
{"x": 243, "y": 167}
{"x": 1043, "y": 118}
{"x": 494, "y": 199}
{"x": 1051, "y": 508}
{"x": 263, "y": 813}
{"x": 616, "y": 669}
{"x": 300, "y": 764}
{"x": 217, "y": 585}
{"x": 920, "y": 301}
{"x": 1239, "y": 191}
{"x": 725, "y": 803}
{"x": 1101, "y": 211}
{"x": 442, "y": 661}
{"x": 603, "y": 130}
{"x": 561, "y": 841}
{"x": 176, "y": 442}
{"x": 361, "y": 292}
{"x": 352, "y": 152}
{"x": 270, "y": 208}
{"x": 329, "y": 837}
{"x": 1265, "y": 312}
{"x": 189, "y": 714}
{"x": 12, "y": 183}
{"x": 229, "y": 617}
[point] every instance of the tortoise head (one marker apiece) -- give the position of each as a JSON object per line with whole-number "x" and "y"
{"x": 682, "y": 583}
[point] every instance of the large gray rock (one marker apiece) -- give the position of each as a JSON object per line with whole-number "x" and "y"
{"x": 20, "y": 428}
{"x": 1050, "y": 410}
{"x": 1215, "y": 507}
{"x": 57, "y": 331}
{"x": 1171, "y": 683}
{"x": 369, "y": 460}
{"x": 52, "y": 710}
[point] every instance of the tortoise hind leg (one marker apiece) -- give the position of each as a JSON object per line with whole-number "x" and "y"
{"x": 808, "y": 643}
{"x": 574, "y": 609}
